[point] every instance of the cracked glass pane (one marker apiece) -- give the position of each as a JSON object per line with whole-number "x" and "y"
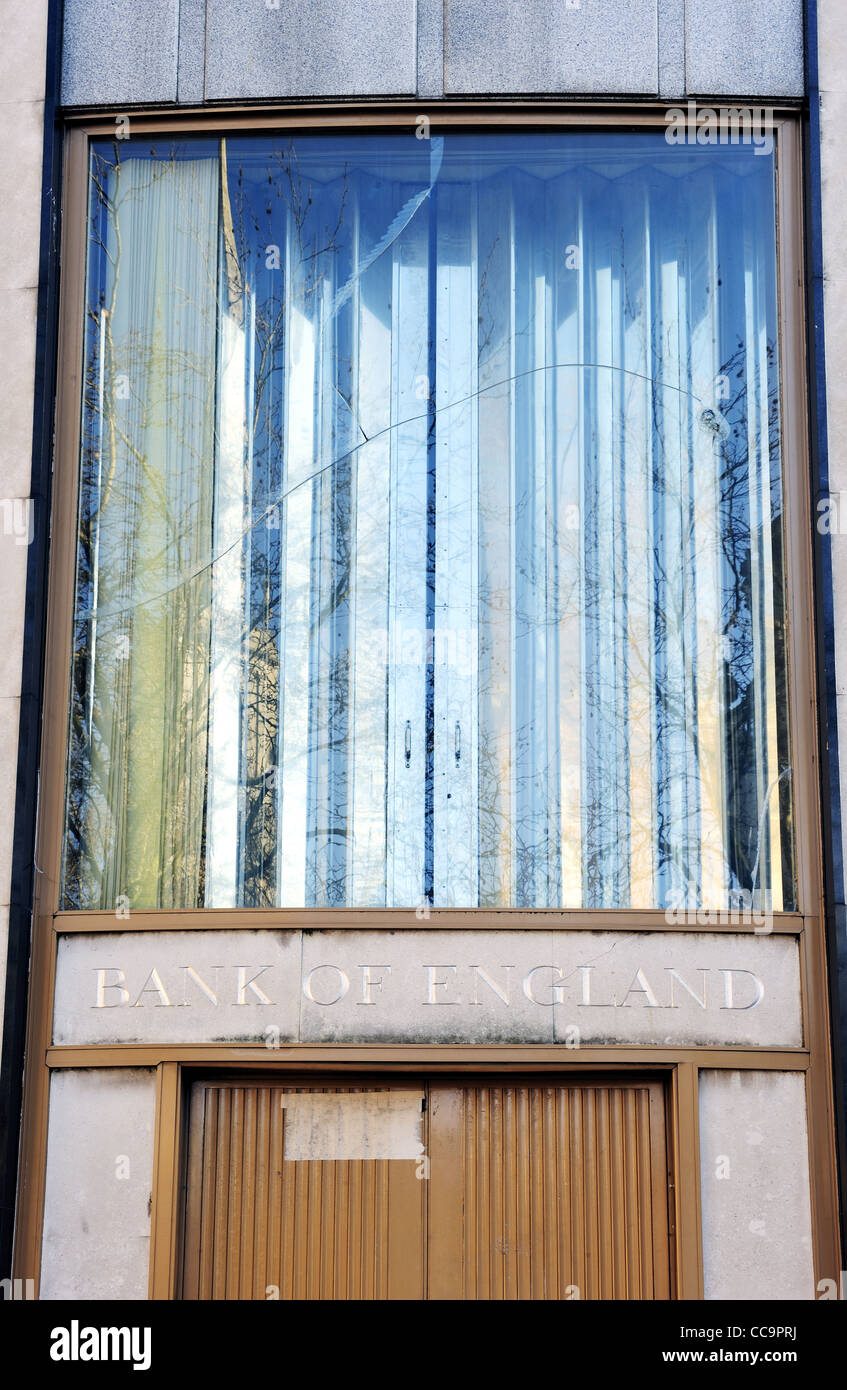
{"x": 430, "y": 527}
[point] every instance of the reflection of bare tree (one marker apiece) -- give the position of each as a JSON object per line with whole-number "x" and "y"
{"x": 143, "y": 521}
{"x": 674, "y": 680}
{"x": 614, "y": 598}
{"x": 137, "y": 388}
{"x": 676, "y": 685}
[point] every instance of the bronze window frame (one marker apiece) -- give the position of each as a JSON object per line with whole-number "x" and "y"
{"x": 806, "y": 924}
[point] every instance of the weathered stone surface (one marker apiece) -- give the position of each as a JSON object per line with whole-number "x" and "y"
{"x": 671, "y": 48}
{"x": 683, "y": 990}
{"x": 430, "y": 48}
{"x": 744, "y": 48}
{"x": 96, "y": 1241}
{"x": 497, "y": 46}
{"x": 665, "y": 988}
{"x": 325, "y": 48}
{"x": 754, "y": 1183}
{"x": 113, "y": 53}
{"x": 423, "y": 987}
{"x": 191, "y": 65}
{"x": 206, "y": 986}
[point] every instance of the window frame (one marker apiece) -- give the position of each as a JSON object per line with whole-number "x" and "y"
{"x": 796, "y": 528}
{"x": 806, "y": 924}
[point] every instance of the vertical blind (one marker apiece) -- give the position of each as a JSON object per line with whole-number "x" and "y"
{"x": 430, "y": 527}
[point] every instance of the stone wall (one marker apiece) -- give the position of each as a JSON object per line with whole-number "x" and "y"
{"x": 190, "y": 51}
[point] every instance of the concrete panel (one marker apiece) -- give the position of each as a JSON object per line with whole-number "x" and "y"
{"x": 574, "y": 46}
{"x": 680, "y": 991}
{"x": 119, "y": 53}
{"x": 13, "y": 565}
{"x": 754, "y": 1176}
{"x": 832, "y": 45}
{"x": 191, "y": 65}
{"x": 671, "y": 48}
{"x": 428, "y": 986}
{"x": 325, "y": 48}
{"x": 744, "y": 48}
{"x": 430, "y": 48}
{"x": 832, "y": 60}
{"x": 23, "y": 52}
{"x": 20, "y": 196}
{"x": 18, "y": 309}
{"x": 838, "y": 542}
{"x": 424, "y": 987}
{"x": 139, "y": 987}
{"x": 834, "y": 199}
{"x": 99, "y": 1184}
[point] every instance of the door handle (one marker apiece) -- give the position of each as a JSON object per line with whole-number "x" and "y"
{"x": 457, "y": 742}
{"x": 408, "y": 742}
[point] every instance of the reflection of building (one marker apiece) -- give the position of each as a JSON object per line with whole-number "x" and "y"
{"x": 430, "y": 848}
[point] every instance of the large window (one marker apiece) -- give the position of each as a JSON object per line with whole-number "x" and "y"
{"x": 430, "y": 526}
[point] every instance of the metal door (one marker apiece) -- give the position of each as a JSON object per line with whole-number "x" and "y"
{"x": 462, "y": 1189}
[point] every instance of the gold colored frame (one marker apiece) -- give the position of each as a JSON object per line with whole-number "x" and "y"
{"x": 175, "y": 1064}
{"x": 444, "y": 1243}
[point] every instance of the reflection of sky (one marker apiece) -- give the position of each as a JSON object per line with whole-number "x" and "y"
{"x": 422, "y": 386}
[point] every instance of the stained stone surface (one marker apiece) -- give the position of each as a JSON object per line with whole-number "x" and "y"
{"x": 754, "y": 1184}
{"x": 96, "y": 1241}
{"x": 574, "y": 988}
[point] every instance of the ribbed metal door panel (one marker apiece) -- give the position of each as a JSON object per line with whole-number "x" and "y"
{"x": 258, "y": 1225}
{"x": 548, "y": 1192}
{"x": 535, "y": 1190}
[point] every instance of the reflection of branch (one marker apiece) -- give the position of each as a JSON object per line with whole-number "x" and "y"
{"x": 379, "y": 434}
{"x": 786, "y": 772}
{"x": 654, "y": 693}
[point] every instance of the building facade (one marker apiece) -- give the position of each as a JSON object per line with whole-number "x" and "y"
{"x": 424, "y": 634}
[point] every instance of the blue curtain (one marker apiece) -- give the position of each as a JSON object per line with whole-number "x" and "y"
{"x": 493, "y": 607}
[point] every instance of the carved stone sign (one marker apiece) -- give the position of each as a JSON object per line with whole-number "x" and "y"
{"x": 575, "y": 988}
